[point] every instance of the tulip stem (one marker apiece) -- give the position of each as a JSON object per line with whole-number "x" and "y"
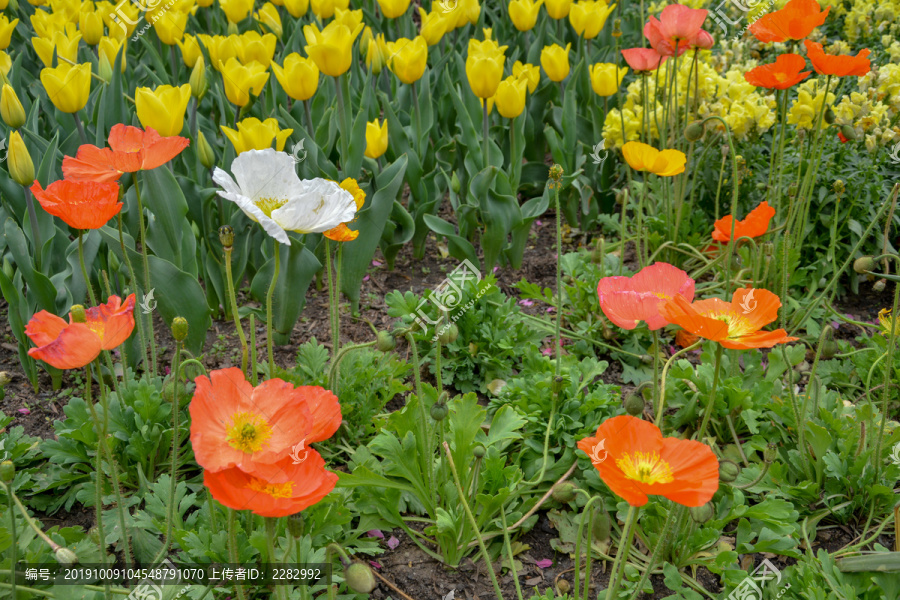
{"x": 309, "y": 121}
{"x": 84, "y": 273}
{"x": 712, "y": 394}
{"x": 140, "y": 320}
{"x": 35, "y": 234}
{"x": 271, "y": 292}
{"x": 254, "y": 376}
{"x": 418, "y": 141}
{"x": 484, "y": 134}
{"x": 622, "y": 553}
{"x": 80, "y": 128}
{"x": 234, "y": 309}
{"x": 146, "y": 262}
{"x": 345, "y": 126}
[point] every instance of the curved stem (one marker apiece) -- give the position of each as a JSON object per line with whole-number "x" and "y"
{"x": 229, "y": 284}
{"x": 84, "y": 273}
{"x": 271, "y": 292}
{"x": 146, "y": 263}
{"x": 622, "y": 553}
{"x": 173, "y": 471}
{"x": 710, "y": 407}
{"x": 512, "y": 562}
{"x": 662, "y": 385}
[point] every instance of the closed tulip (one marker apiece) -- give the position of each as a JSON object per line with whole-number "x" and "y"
{"x": 253, "y": 134}
{"x": 253, "y": 46}
{"x": 606, "y": 78}
{"x": 466, "y": 12}
{"x": 236, "y": 10}
{"x": 91, "y": 26}
{"x": 510, "y": 98}
{"x": 68, "y": 86}
{"x": 555, "y": 61}
{"x": 296, "y": 8}
{"x": 190, "y": 49}
{"x": 393, "y": 8}
{"x": 6, "y": 30}
{"x": 558, "y": 9}
{"x": 170, "y": 26}
{"x": 162, "y": 108}
{"x": 199, "y": 81}
{"x": 5, "y": 63}
{"x": 268, "y": 16}
{"x": 408, "y": 58}
{"x": 220, "y": 48}
{"x": 66, "y": 45}
{"x": 324, "y": 9}
{"x": 434, "y": 25}
{"x": 20, "y": 165}
{"x": 108, "y": 49}
{"x": 524, "y": 13}
{"x": 350, "y": 18}
{"x": 242, "y": 80}
{"x": 299, "y": 77}
{"x": 331, "y": 48}
{"x": 484, "y": 67}
{"x": 529, "y": 73}
{"x": 376, "y": 53}
{"x": 589, "y": 16}
{"x": 10, "y": 108}
{"x": 376, "y": 139}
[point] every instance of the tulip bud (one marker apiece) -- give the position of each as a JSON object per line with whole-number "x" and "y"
{"x": 77, "y": 314}
{"x": 600, "y": 528}
{"x": 179, "y": 328}
{"x": 449, "y": 334}
{"x": 702, "y": 514}
{"x": 359, "y": 578}
{"x": 880, "y": 285}
{"x": 226, "y": 236}
{"x": 634, "y": 404}
{"x": 295, "y": 525}
{"x": 478, "y": 451}
{"x": 863, "y": 264}
{"x": 829, "y": 116}
{"x": 848, "y": 132}
{"x": 64, "y": 556}
{"x": 199, "y": 82}
{"x": 19, "y": 160}
{"x": 204, "y": 151}
{"x": 564, "y": 492}
{"x": 455, "y": 185}
{"x": 10, "y": 108}
{"x": 385, "y": 342}
{"x": 693, "y": 132}
{"x": 104, "y": 68}
{"x": 7, "y": 471}
{"x": 728, "y": 471}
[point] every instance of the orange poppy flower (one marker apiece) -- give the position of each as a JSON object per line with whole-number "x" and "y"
{"x": 793, "y": 22}
{"x": 342, "y": 233}
{"x": 234, "y": 424}
{"x": 685, "y": 338}
{"x": 755, "y": 224}
{"x": 635, "y": 460}
{"x": 840, "y": 66}
{"x": 627, "y": 300}
{"x": 81, "y": 204}
{"x": 130, "y": 149}
{"x": 73, "y": 345}
{"x": 737, "y": 324}
{"x": 276, "y": 490}
{"x": 785, "y": 72}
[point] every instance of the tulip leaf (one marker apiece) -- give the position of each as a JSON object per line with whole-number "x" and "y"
{"x": 370, "y": 222}
{"x": 459, "y": 247}
{"x": 112, "y": 101}
{"x": 297, "y": 267}
{"x": 72, "y": 281}
{"x": 357, "y": 146}
{"x": 18, "y": 314}
{"x": 398, "y": 230}
{"x": 39, "y": 286}
{"x": 169, "y": 234}
{"x": 315, "y": 157}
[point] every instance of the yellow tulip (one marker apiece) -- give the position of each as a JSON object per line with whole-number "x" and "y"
{"x": 350, "y": 18}
{"x": 484, "y": 67}
{"x": 665, "y": 163}
{"x": 555, "y": 60}
{"x": 91, "y": 26}
{"x": 236, "y": 10}
{"x": 376, "y": 139}
{"x": 190, "y": 50}
{"x": 269, "y": 17}
{"x": 467, "y": 12}
{"x": 108, "y": 49}
{"x": 5, "y": 63}
{"x": 4, "y": 4}
{"x": 524, "y": 13}
{"x": 20, "y": 165}
{"x": 46, "y": 24}
{"x": 606, "y": 78}
{"x": 70, "y": 8}
{"x": 204, "y": 151}
{"x": 324, "y": 9}
{"x": 510, "y": 97}
{"x": 408, "y": 58}
{"x": 66, "y": 45}
{"x": 376, "y": 52}
{"x": 6, "y": 30}
{"x": 589, "y": 16}
{"x": 242, "y": 80}
{"x": 170, "y": 26}
{"x": 221, "y": 48}
{"x": 121, "y": 18}
{"x": 297, "y": 8}
{"x": 199, "y": 82}
{"x": 253, "y": 134}
{"x": 434, "y": 25}
{"x": 558, "y": 9}
{"x": 393, "y": 8}
{"x": 162, "y": 108}
{"x": 205, "y": 3}
{"x": 11, "y": 110}
{"x": 68, "y": 86}
{"x": 530, "y": 74}
{"x": 299, "y": 77}
{"x": 331, "y": 48}
{"x": 253, "y": 46}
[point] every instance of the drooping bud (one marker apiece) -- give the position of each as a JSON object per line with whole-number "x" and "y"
{"x": 295, "y": 525}
{"x": 600, "y": 528}
{"x": 848, "y": 132}
{"x": 385, "y": 342}
{"x": 439, "y": 412}
{"x": 770, "y": 453}
{"x": 693, "y": 132}
{"x": 702, "y": 514}
{"x": 359, "y": 578}
{"x": 449, "y": 334}
{"x": 78, "y": 314}
{"x": 7, "y": 471}
{"x": 564, "y": 492}
{"x": 597, "y": 253}
{"x": 728, "y": 471}
{"x": 634, "y": 404}
{"x": 829, "y": 116}
{"x": 205, "y": 152}
{"x": 863, "y": 264}
{"x": 226, "y": 236}
{"x": 179, "y": 328}
{"x": 64, "y": 556}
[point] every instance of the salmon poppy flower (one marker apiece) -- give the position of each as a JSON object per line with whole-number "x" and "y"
{"x": 839, "y": 66}
{"x": 627, "y": 300}
{"x": 755, "y": 224}
{"x": 642, "y": 157}
{"x": 635, "y": 460}
{"x": 787, "y": 71}
{"x": 675, "y": 29}
{"x": 643, "y": 60}
{"x": 80, "y": 204}
{"x": 279, "y": 490}
{"x": 234, "y": 424}
{"x": 793, "y": 22}
{"x": 130, "y": 149}
{"x": 73, "y": 345}
{"x": 737, "y": 324}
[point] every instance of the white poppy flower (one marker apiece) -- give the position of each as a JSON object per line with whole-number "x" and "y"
{"x": 269, "y": 191}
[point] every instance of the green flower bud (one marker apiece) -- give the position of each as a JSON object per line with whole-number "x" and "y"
{"x": 205, "y": 152}
{"x": 863, "y": 264}
{"x": 179, "y": 328}
{"x": 226, "y": 236}
{"x": 295, "y": 525}
{"x": 359, "y": 578}
{"x": 597, "y": 253}
{"x": 564, "y": 492}
{"x": 829, "y": 349}
{"x": 848, "y": 132}
{"x": 829, "y": 116}
{"x": 880, "y": 285}
{"x": 198, "y": 80}
{"x": 4, "y": 378}
{"x": 479, "y": 451}
{"x": 634, "y": 404}
{"x": 7, "y": 471}
{"x": 64, "y": 556}
{"x": 702, "y": 514}
{"x": 558, "y": 384}
{"x": 600, "y": 528}
{"x": 385, "y": 342}
{"x": 455, "y": 185}
{"x": 563, "y": 586}
{"x": 449, "y": 335}
{"x": 617, "y": 28}
{"x": 439, "y": 412}
{"x": 728, "y": 471}
{"x": 693, "y": 132}
{"x": 78, "y": 314}
{"x": 770, "y": 453}
{"x": 838, "y": 186}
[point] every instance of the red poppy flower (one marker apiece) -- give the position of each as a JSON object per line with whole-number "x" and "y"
{"x": 278, "y": 490}
{"x": 737, "y": 324}
{"x": 840, "y": 66}
{"x": 234, "y": 424}
{"x": 81, "y": 204}
{"x": 635, "y": 460}
{"x": 755, "y": 224}
{"x": 130, "y": 149}
{"x": 643, "y": 59}
{"x": 793, "y": 22}
{"x": 73, "y": 345}
{"x": 785, "y": 72}
{"x": 627, "y": 300}
{"x": 676, "y": 27}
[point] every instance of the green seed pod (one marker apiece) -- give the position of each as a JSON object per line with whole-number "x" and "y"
{"x": 179, "y": 328}
{"x": 634, "y": 404}
{"x": 78, "y": 314}
{"x": 7, "y": 471}
{"x": 880, "y": 285}
{"x": 770, "y": 453}
{"x": 693, "y": 132}
{"x": 563, "y": 586}
{"x": 359, "y": 578}
{"x": 728, "y": 471}
{"x": 478, "y": 451}
{"x": 64, "y": 556}
{"x": 295, "y": 525}
{"x": 702, "y": 514}
{"x": 597, "y": 252}
{"x": 449, "y": 335}
{"x": 829, "y": 349}
{"x": 849, "y": 133}
{"x": 564, "y": 492}
{"x": 600, "y": 529}
{"x": 385, "y": 342}
{"x": 863, "y": 264}
{"x": 558, "y": 383}
{"x": 226, "y": 236}
{"x": 829, "y": 116}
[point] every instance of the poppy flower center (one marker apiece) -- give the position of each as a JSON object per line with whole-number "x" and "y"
{"x": 276, "y": 490}
{"x": 248, "y": 432}
{"x": 645, "y": 467}
{"x": 737, "y": 325}
{"x": 268, "y": 205}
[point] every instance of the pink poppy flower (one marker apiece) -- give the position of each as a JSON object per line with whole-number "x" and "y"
{"x": 677, "y": 26}
{"x": 643, "y": 59}
{"x": 627, "y": 300}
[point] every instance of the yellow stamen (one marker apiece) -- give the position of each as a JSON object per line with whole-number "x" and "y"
{"x": 646, "y": 467}
{"x": 248, "y": 432}
{"x": 268, "y": 205}
{"x": 276, "y": 490}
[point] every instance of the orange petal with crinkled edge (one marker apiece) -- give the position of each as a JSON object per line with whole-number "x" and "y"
{"x": 113, "y": 322}
{"x": 341, "y": 233}
{"x": 795, "y": 21}
{"x": 60, "y": 344}
{"x": 755, "y": 224}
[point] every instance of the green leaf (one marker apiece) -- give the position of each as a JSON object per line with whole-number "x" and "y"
{"x": 297, "y": 267}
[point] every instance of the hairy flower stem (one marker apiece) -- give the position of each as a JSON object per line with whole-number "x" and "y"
{"x": 655, "y": 368}
{"x": 673, "y": 517}
{"x": 559, "y": 288}
{"x": 14, "y": 546}
{"x": 662, "y": 383}
{"x": 254, "y": 376}
{"x": 173, "y": 471}
{"x": 271, "y": 292}
{"x": 622, "y": 553}
{"x": 140, "y": 320}
{"x": 84, "y": 273}
{"x": 146, "y": 263}
{"x": 512, "y": 562}
{"x": 271, "y": 535}
{"x": 229, "y": 283}
{"x": 426, "y": 451}
{"x": 233, "y": 554}
{"x": 710, "y": 407}
{"x": 587, "y": 510}
{"x": 333, "y": 299}
{"x": 98, "y": 476}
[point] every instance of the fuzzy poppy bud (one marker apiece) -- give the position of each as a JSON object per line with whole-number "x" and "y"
{"x": 449, "y": 334}
{"x": 634, "y": 404}
{"x": 7, "y": 471}
{"x": 848, "y": 132}
{"x": 770, "y": 453}
{"x": 439, "y": 412}
{"x": 600, "y": 528}
{"x": 725, "y": 150}
{"x": 838, "y": 186}
{"x": 829, "y": 347}
{"x": 829, "y": 116}
{"x": 617, "y": 28}
{"x": 78, "y": 314}
{"x": 226, "y": 236}
{"x": 359, "y": 578}
{"x": 478, "y": 451}
{"x": 179, "y": 328}
{"x": 621, "y": 196}
{"x": 863, "y": 264}
{"x": 880, "y": 285}
{"x": 646, "y": 359}
{"x": 64, "y": 556}
{"x": 564, "y": 492}
{"x": 597, "y": 253}
{"x": 385, "y": 342}
{"x": 295, "y": 525}
{"x": 563, "y": 587}
{"x": 702, "y": 514}
{"x": 693, "y": 132}
{"x": 728, "y": 471}
{"x": 558, "y": 382}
